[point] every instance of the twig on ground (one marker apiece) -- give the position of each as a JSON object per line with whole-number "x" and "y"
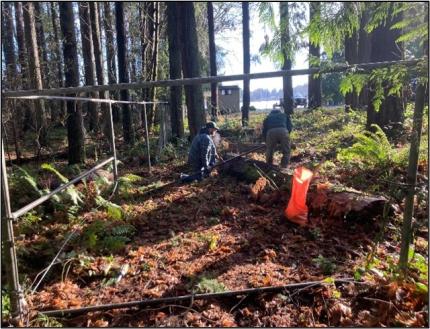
{"x": 240, "y": 302}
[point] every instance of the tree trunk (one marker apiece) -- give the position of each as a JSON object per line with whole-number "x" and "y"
{"x": 96, "y": 36}
{"x": 351, "y": 57}
{"x": 23, "y": 76}
{"x": 246, "y": 63}
{"x": 10, "y": 61}
{"x": 385, "y": 48}
{"x": 414, "y": 153}
{"x": 58, "y": 59}
{"x": 41, "y": 42}
{"x": 314, "y": 84}
{"x": 22, "y": 53}
{"x": 175, "y": 59}
{"x": 34, "y": 72}
{"x": 191, "y": 67}
{"x": 212, "y": 60}
{"x": 153, "y": 90}
{"x": 121, "y": 40}
{"x": 110, "y": 55}
{"x": 144, "y": 41}
{"x": 287, "y": 82}
{"x": 89, "y": 62}
{"x": 75, "y": 124}
{"x": 364, "y": 50}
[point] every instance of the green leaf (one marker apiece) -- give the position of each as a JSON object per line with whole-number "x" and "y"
{"x": 50, "y": 168}
{"x": 328, "y": 280}
{"x": 422, "y": 288}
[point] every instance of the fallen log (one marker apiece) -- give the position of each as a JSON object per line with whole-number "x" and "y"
{"x": 338, "y": 202}
{"x": 331, "y": 201}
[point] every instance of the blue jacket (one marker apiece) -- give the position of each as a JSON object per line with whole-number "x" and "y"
{"x": 203, "y": 152}
{"x": 277, "y": 119}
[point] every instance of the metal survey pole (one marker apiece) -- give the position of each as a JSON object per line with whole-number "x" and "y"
{"x": 147, "y": 138}
{"x": 112, "y": 142}
{"x": 17, "y": 301}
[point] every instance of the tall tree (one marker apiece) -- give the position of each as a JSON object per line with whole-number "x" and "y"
{"x": 22, "y": 56}
{"x": 364, "y": 50}
{"x": 110, "y": 53}
{"x": 246, "y": 63}
{"x": 286, "y": 55}
{"x": 351, "y": 53}
{"x": 154, "y": 57}
{"x": 212, "y": 60}
{"x": 175, "y": 59}
{"x": 41, "y": 42}
{"x": 96, "y": 38}
{"x": 34, "y": 71}
{"x": 75, "y": 124}
{"x": 58, "y": 57}
{"x": 386, "y": 48}
{"x": 22, "y": 53}
{"x": 191, "y": 66}
{"x": 89, "y": 61}
{"x": 121, "y": 39}
{"x": 10, "y": 61}
{"x": 144, "y": 48}
{"x": 314, "y": 84}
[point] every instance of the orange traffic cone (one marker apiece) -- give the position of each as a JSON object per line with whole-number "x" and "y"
{"x": 297, "y": 210}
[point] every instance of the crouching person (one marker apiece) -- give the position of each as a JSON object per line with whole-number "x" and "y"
{"x": 276, "y": 131}
{"x": 202, "y": 155}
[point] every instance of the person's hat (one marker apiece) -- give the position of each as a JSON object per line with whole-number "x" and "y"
{"x": 211, "y": 124}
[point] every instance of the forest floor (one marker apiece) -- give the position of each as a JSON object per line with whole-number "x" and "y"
{"x": 210, "y": 236}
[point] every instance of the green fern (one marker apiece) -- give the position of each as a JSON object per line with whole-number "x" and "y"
{"x": 25, "y": 182}
{"x": 114, "y": 211}
{"x": 50, "y": 168}
{"x": 71, "y": 193}
{"x": 114, "y": 243}
{"x": 372, "y": 149}
{"x": 124, "y": 230}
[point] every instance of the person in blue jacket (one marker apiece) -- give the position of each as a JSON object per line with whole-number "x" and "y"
{"x": 277, "y": 127}
{"x": 202, "y": 155}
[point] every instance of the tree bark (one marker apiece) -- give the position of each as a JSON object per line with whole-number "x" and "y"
{"x": 175, "y": 59}
{"x": 154, "y": 61}
{"x": 351, "y": 56}
{"x": 89, "y": 62}
{"x": 96, "y": 36}
{"x": 191, "y": 67}
{"x": 123, "y": 72}
{"x": 287, "y": 82}
{"x": 24, "y": 75}
{"x": 385, "y": 48}
{"x": 110, "y": 55}
{"x": 75, "y": 124}
{"x": 314, "y": 84}
{"x": 414, "y": 152}
{"x": 35, "y": 72}
{"x": 364, "y": 51}
{"x": 212, "y": 60}
{"x": 41, "y": 42}
{"x": 11, "y": 68}
{"x": 246, "y": 63}
{"x": 144, "y": 42}
{"x": 58, "y": 59}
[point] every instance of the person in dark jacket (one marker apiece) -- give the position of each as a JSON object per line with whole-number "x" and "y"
{"x": 276, "y": 130}
{"x": 202, "y": 155}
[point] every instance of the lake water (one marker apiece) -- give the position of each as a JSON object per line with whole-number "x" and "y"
{"x": 263, "y": 105}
